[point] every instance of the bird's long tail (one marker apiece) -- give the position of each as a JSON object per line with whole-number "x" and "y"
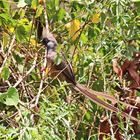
{"x": 95, "y": 98}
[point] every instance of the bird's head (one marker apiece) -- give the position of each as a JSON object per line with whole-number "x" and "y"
{"x": 50, "y": 42}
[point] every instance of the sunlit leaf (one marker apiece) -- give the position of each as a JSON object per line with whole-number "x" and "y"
{"x": 84, "y": 38}
{"x": 58, "y": 59}
{"x": 2, "y": 97}
{"x": 0, "y": 22}
{"x": 12, "y": 97}
{"x": 59, "y": 48}
{"x": 96, "y": 18}
{"x": 88, "y": 115}
{"x": 5, "y": 73}
{"x": 74, "y": 30}
{"x": 47, "y": 70}
{"x": 18, "y": 58}
{"x": 136, "y": 0}
{"x": 5, "y": 5}
{"x": 68, "y": 25}
{"x": 5, "y": 39}
{"x": 33, "y": 42}
{"x": 34, "y": 4}
{"x": 5, "y": 16}
{"x": 21, "y": 34}
{"x": 21, "y": 4}
{"x": 22, "y": 13}
{"x": 24, "y": 21}
{"x": 61, "y": 14}
{"x": 56, "y": 2}
{"x": 11, "y": 29}
{"x": 39, "y": 11}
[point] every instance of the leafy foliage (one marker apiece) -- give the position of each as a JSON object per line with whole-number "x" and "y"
{"x": 11, "y": 97}
{"x": 90, "y": 34}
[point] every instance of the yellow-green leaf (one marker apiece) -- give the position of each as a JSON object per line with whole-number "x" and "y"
{"x": 12, "y": 97}
{"x": 34, "y": 4}
{"x": 74, "y": 29}
{"x": 39, "y": 11}
{"x": 96, "y": 18}
{"x": 5, "y": 73}
{"x": 5, "y": 40}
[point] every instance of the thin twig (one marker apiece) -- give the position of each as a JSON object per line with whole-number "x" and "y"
{"x": 90, "y": 75}
{"x": 41, "y": 89}
{"x": 126, "y": 132}
{"x": 92, "y": 124}
{"x": 28, "y": 72}
{"x": 45, "y": 58}
{"x": 46, "y": 17}
{"x": 82, "y": 28}
{"x": 42, "y": 79}
{"x": 55, "y": 78}
{"x": 8, "y": 52}
{"x": 32, "y": 111}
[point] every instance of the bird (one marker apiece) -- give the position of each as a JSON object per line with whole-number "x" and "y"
{"x": 64, "y": 71}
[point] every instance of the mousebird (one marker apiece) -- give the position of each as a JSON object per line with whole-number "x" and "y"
{"x": 65, "y": 72}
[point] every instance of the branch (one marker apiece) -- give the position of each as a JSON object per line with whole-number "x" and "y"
{"x": 45, "y": 58}
{"x": 46, "y": 17}
{"x": 42, "y": 79}
{"x": 28, "y": 72}
{"x": 8, "y": 52}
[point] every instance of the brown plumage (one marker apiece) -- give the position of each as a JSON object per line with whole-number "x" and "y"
{"x": 65, "y": 72}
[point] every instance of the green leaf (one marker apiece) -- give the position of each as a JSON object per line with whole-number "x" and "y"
{"x": 59, "y": 48}
{"x": 39, "y": 11}
{"x": 22, "y": 13}
{"x": 88, "y": 115}
{"x": 58, "y": 59}
{"x": 2, "y": 97}
{"x": 12, "y": 97}
{"x": 61, "y": 14}
{"x": 4, "y": 16}
{"x": 5, "y": 5}
{"x": 0, "y": 22}
{"x": 56, "y": 4}
{"x": 18, "y": 58}
{"x": 34, "y": 4}
{"x": 5, "y": 39}
{"x": 138, "y": 93}
{"x": 7, "y": 19}
{"x": 136, "y": 0}
{"x": 5, "y": 73}
{"x": 84, "y": 38}
{"x": 21, "y": 33}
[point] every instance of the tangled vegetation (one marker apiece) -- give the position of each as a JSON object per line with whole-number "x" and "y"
{"x": 100, "y": 38}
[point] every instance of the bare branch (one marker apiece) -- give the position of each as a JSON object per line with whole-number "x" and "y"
{"x": 46, "y": 17}
{"x": 47, "y": 31}
{"x": 8, "y": 52}
{"x": 28, "y": 72}
{"x": 42, "y": 80}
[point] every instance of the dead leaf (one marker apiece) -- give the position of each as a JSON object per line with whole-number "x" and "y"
{"x": 117, "y": 69}
{"x": 125, "y": 66}
{"x": 132, "y": 68}
{"x": 129, "y": 69}
{"x": 104, "y": 131}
